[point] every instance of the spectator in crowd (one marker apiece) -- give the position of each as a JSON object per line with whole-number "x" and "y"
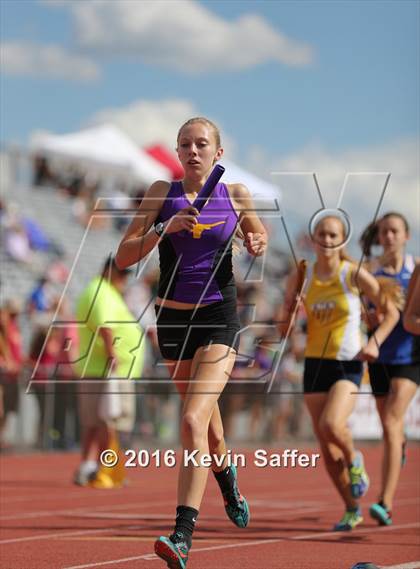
{"x": 42, "y": 174}
{"x": 41, "y": 298}
{"x": 17, "y": 244}
{"x": 11, "y": 361}
{"x": 110, "y": 346}
{"x": 71, "y": 180}
{"x": 66, "y": 419}
{"x": 44, "y": 353}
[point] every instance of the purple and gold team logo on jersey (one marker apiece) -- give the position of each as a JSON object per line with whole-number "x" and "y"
{"x": 323, "y": 310}
{"x": 200, "y": 227}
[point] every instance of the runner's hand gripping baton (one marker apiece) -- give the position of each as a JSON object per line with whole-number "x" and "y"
{"x": 206, "y": 190}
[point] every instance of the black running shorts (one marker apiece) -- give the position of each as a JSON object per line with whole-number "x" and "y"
{"x": 182, "y": 332}
{"x": 321, "y": 374}
{"x": 380, "y": 376}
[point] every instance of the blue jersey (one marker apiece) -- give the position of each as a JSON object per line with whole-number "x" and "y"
{"x": 400, "y": 347}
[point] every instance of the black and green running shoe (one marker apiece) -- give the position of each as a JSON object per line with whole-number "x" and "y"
{"x": 381, "y": 514}
{"x": 236, "y": 505}
{"x": 174, "y": 550}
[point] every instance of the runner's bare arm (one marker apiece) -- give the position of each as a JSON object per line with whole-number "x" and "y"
{"x": 138, "y": 241}
{"x": 369, "y": 287}
{"x": 255, "y": 234}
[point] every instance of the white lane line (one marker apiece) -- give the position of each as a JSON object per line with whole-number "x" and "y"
{"x": 88, "y": 512}
{"x": 152, "y": 557}
{"x": 105, "y": 512}
{"x": 49, "y": 513}
{"x": 81, "y": 493}
{"x": 138, "y": 526}
{"x": 58, "y": 495}
{"x": 298, "y": 511}
{"x": 81, "y": 510}
{"x": 113, "y": 562}
{"x": 310, "y": 508}
{"x": 358, "y": 531}
{"x": 65, "y": 534}
{"x": 412, "y": 565}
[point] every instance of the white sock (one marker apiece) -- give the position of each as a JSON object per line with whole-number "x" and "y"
{"x": 88, "y": 467}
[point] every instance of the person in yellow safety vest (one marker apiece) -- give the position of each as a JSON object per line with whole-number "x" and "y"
{"x": 111, "y": 353}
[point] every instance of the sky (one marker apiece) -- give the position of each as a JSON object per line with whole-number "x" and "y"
{"x": 330, "y": 87}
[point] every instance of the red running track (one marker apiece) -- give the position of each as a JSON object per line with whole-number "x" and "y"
{"x": 47, "y": 523}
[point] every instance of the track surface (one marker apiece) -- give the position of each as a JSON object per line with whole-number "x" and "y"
{"x": 47, "y": 523}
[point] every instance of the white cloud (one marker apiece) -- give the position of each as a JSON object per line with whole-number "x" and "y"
{"x": 182, "y": 35}
{"x": 149, "y": 122}
{"x": 365, "y": 168}
{"x": 28, "y": 59}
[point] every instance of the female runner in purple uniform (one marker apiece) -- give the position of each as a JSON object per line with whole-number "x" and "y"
{"x": 196, "y": 313}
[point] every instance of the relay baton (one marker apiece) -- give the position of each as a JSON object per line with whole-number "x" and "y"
{"x": 287, "y": 326}
{"x": 206, "y": 190}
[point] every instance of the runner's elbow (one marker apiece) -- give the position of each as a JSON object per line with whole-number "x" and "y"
{"x": 120, "y": 258}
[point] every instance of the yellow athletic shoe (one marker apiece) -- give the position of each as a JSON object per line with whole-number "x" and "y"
{"x": 359, "y": 478}
{"x": 102, "y": 481}
{"x": 350, "y": 520}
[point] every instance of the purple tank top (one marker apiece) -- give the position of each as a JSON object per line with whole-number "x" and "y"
{"x": 197, "y": 267}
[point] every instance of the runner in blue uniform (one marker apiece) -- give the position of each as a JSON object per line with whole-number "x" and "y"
{"x": 196, "y": 313}
{"x": 395, "y": 375}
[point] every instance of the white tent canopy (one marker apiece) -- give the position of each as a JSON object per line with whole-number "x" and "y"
{"x": 260, "y": 190}
{"x": 105, "y": 148}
